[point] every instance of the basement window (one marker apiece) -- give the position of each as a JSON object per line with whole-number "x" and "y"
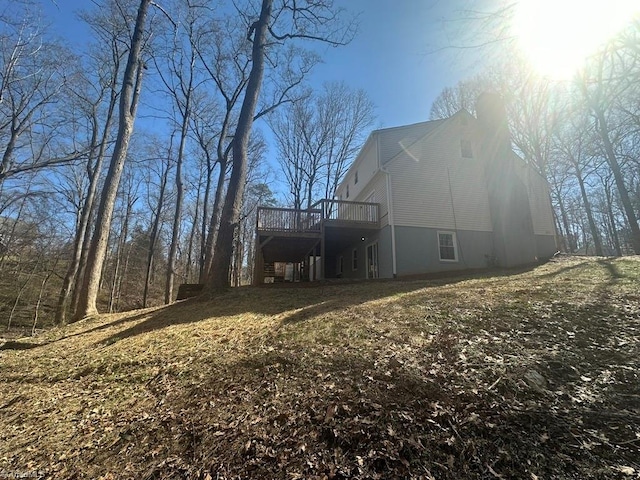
{"x": 447, "y": 247}
{"x": 465, "y": 148}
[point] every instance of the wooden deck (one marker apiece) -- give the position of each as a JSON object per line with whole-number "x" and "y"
{"x": 294, "y": 235}
{"x": 293, "y": 222}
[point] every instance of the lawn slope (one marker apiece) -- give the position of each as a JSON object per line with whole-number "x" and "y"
{"x": 530, "y": 375}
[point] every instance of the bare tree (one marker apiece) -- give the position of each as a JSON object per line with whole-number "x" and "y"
{"x": 129, "y": 97}
{"x": 318, "y": 137}
{"x": 316, "y": 20}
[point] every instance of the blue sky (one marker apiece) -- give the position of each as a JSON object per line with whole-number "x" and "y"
{"x": 388, "y": 58}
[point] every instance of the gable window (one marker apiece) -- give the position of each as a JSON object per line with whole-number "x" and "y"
{"x": 465, "y": 148}
{"x": 447, "y": 246}
{"x": 355, "y": 182}
{"x": 347, "y": 190}
{"x": 354, "y": 259}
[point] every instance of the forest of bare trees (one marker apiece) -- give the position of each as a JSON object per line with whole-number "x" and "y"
{"x": 130, "y": 164}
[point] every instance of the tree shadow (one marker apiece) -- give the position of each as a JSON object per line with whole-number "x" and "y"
{"x": 613, "y": 269}
{"x": 306, "y": 300}
{"x": 13, "y": 345}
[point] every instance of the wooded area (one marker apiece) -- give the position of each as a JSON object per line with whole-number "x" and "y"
{"x": 100, "y": 211}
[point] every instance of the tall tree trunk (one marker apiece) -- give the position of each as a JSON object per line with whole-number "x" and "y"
{"x": 214, "y": 224}
{"x": 81, "y": 241}
{"x": 612, "y": 219}
{"x": 204, "y": 235}
{"x": 587, "y": 206}
{"x": 219, "y": 277}
{"x": 129, "y": 96}
{"x": 175, "y": 234}
{"x": 153, "y": 236}
{"x": 627, "y": 206}
{"x": 192, "y": 236}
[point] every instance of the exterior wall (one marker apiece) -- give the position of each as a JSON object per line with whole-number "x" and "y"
{"x": 545, "y": 246}
{"x": 377, "y": 186}
{"x": 433, "y": 186}
{"x": 366, "y": 165}
{"x": 541, "y": 210}
{"x": 385, "y": 261}
{"x": 418, "y": 250}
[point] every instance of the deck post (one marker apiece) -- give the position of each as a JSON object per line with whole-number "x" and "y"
{"x": 322, "y": 252}
{"x": 258, "y": 264}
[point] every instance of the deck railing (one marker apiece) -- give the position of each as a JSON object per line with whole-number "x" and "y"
{"x": 342, "y": 210}
{"x": 289, "y": 219}
{"x": 309, "y": 220}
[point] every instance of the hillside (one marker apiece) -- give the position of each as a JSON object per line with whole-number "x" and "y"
{"x": 529, "y": 374}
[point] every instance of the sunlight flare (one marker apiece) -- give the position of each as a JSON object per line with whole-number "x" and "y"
{"x": 557, "y": 36}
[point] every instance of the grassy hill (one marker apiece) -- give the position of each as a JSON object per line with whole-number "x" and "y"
{"x": 529, "y": 375}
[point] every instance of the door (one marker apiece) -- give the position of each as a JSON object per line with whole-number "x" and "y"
{"x": 372, "y": 260}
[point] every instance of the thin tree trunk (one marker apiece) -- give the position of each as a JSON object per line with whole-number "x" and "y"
{"x": 565, "y": 221}
{"x": 612, "y": 220}
{"x": 40, "y": 295}
{"x": 175, "y": 234}
{"x": 214, "y": 224}
{"x": 153, "y": 236}
{"x": 129, "y": 97}
{"x": 75, "y": 272}
{"x": 587, "y": 206}
{"x": 192, "y": 236}
{"x": 627, "y": 206}
{"x": 219, "y": 277}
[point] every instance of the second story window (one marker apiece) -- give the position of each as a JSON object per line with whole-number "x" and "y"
{"x": 356, "y": 179}
{"x": 347, "y": 190}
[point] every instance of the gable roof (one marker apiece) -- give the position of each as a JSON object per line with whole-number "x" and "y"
{"x": 397, "y": 139}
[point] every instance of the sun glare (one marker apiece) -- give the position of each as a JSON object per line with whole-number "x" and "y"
{"x": 558, "y": 35}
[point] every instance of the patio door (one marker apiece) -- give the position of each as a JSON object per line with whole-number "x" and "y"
{"x": 372, "y": 260}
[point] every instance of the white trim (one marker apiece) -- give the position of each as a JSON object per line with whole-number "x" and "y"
{"x": 455, "y": 245}
{"x": 392, "y": 224}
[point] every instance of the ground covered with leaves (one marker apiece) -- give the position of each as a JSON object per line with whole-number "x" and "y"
{"x": 530, "y": 375}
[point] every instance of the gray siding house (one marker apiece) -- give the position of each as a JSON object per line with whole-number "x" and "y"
{"x": 430, "y": 197}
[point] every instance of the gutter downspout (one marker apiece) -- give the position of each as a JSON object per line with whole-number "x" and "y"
{"x": 392, "y": 224}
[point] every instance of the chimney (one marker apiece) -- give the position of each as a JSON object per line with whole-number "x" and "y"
{"x": 513, "y": 238}
{"x": 492, "y": 116}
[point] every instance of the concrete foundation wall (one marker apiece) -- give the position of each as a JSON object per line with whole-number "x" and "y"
{"x": 545, "y": 246}
{"x": 418, "y": 250}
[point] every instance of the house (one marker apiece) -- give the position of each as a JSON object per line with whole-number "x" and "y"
{"x": 441, "y": 195}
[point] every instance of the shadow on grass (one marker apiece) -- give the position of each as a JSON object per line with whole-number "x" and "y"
{"x": 613, "y": 270}
{"x": 307, "y": 301}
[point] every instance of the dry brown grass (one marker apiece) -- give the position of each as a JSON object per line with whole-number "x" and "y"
{"x": 530, "y": 374}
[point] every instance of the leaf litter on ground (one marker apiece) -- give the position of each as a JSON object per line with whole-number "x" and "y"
{"x": 529, "y": 373}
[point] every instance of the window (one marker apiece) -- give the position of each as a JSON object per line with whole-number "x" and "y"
{"x": 347, "y": 190}
{"x": 355, "y": 182}
{"x": 447, "y": 246}
{"x": 354, "y": 259}
{"x": 340, "y": 265}
{"x": 465, "y": 148}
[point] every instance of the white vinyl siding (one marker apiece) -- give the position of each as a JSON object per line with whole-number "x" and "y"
{"x": 379, "y": 187}
{"x": 364, "y": 168}
{"x": 434, "y": 187}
